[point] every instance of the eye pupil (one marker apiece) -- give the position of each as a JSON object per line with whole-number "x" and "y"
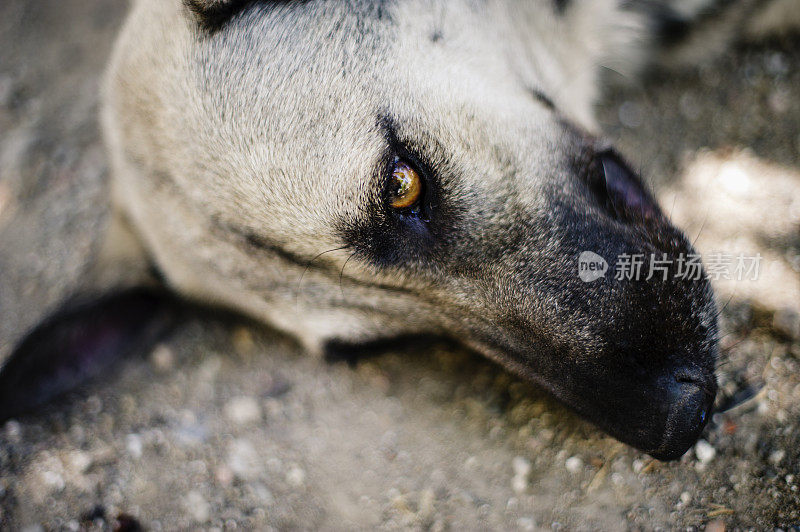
{"x": 406, "y": 186}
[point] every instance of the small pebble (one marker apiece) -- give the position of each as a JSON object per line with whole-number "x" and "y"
{"x": 79, "y": 461}
{"x": 224, "y": 476}
{"x": 53, "y": 480}
{"x": 704, "y": 451}
{"x": 522, "y": 468}
{"x": 162, "y": 358}
{"x": 197, "y": 507}
{"x": 243, "y": 410}
{"x": 519, "y": 484}
{"x": 134, "y": 446}
{"x": 296, "y": 476}
{"x": 243, "y": 460}
{"x": 526, "y": 523}
{"x": 776, "y": 457}
{"x": 574, "y": 464}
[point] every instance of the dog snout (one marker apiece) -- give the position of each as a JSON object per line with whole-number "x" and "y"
{"x": 691, "y": 395}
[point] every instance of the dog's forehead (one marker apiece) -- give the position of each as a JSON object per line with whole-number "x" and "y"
{"x": 303, "y": 96}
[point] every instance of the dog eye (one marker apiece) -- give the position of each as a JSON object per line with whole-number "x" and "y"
{"x": 406, "y": 186}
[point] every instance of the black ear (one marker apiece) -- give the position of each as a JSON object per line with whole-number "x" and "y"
{"x": 211, "y": 14}
{"x": 80, "y": 343}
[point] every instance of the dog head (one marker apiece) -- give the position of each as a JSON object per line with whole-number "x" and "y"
{"x": 353, "y": 171}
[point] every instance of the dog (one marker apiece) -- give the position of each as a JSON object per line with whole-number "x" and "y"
{"x": 357, "y": 172}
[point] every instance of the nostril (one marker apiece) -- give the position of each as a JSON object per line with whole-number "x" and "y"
{"x": 596, "y": 181}
{"x": 696, "y": 382}
{"x": 619, "y": 190}
{"x": 694, "y": 376}
{"x": 695, "y": 389}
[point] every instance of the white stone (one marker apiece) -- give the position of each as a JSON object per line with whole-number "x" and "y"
{"x": 704, "y": 451}
{"x": 296, "y": 476}
{"x": 197, "y": 507}
{"x": 521, "y": 466}
{"x": 134, "y": 446}
{"x": 243, "y": 410}
{"x": 519, "y": 484}
{"x": 162, "y": 358}
{"x": 243, "y": 460}
{"x": 776, "y": 457}
{"x": 574, "y": 464}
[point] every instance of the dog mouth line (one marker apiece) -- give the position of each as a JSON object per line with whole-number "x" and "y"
{"x": 511, "y": 358}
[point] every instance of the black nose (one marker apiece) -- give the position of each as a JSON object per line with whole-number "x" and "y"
{"x": 692, "y": 394}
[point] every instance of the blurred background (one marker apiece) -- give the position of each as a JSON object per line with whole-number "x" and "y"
{"x": 227, "y": 425}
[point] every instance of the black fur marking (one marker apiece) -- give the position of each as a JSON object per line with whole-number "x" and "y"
{"x": 212, "y": 14}
{"x": 560, "y": 6}
{"x": 271, "y": 247}
{"x": 671, "y": 27}
{"x": 256, "y": 242}
{"x": 543, "y": 99}
{"x": 79, "y": 343}
{"x": 353, "y": 352}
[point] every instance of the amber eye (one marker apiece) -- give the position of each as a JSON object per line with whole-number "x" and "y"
{"x": 406, "y": 186}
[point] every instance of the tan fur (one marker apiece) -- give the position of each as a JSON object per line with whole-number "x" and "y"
{"x": 232, "y": 167}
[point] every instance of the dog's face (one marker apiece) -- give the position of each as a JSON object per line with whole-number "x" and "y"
{"x": 363, "y": 170}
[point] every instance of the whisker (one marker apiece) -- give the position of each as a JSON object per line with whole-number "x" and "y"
{"x": 729, "y": 348}
{"x": 702, "y": 226}
{"x": 740, "y": 396}
{"x": 341, "y": 273}
{"x": 720, "y": 311}
{"x": 674, "y": 201}
{"x": 308, "y": 266}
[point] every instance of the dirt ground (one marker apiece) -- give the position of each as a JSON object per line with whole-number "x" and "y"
{"x": 226, "y": 425}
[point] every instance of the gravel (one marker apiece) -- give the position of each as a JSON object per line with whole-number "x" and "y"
{"x": 227, "y": 425}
